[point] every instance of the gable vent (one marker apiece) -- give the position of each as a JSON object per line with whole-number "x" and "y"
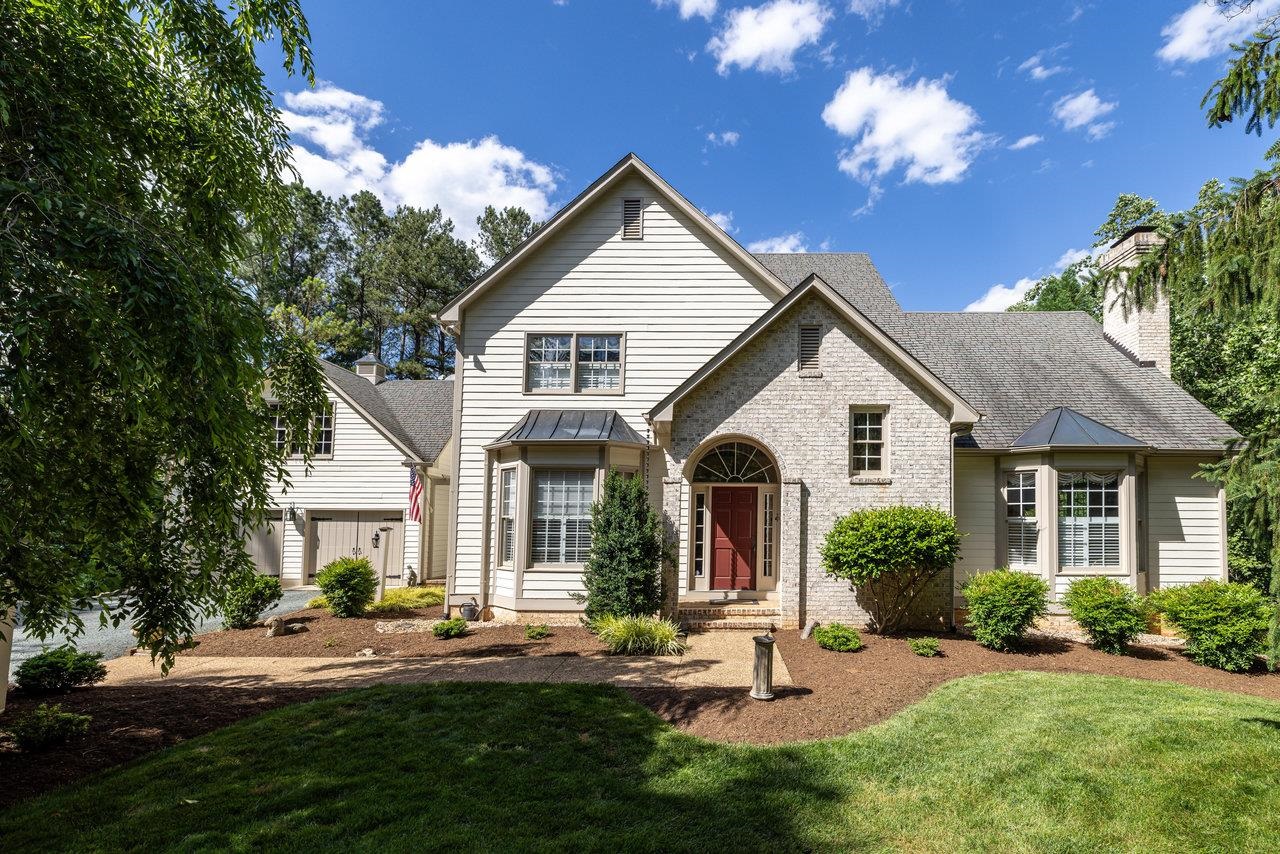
{"x": 810, "y": 340}
{"x": 632, "y": 219}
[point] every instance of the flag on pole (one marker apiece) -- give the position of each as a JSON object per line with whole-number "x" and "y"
{"x": 415, "y": 495}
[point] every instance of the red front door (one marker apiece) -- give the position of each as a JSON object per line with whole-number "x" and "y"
{"x": 733, "y": 544}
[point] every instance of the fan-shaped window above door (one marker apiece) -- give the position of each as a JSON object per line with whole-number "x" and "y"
{"x": 735, "y": 462}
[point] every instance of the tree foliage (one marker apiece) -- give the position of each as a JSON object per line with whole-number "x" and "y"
{"x": 501, "y": 231}
{"x": 136, "y": 140}
{"x": 1074, "y": 289}
{"x": 1250, "y": 89}
{"x": 623, "y": 573}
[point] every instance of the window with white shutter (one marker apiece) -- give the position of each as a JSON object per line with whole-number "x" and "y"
{"x": 810, "y": 345}
{"x": 1088, "y": 520}
{"x": 632, "y": 219}
{"x": 1020, "y": 504}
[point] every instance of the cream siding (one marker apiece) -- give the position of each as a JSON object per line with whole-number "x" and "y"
{"x": 1184, "y": 523}
{"x": 364, "y": 473}
{"x": 677, "y": 296}
{"x": 975, "y": 503}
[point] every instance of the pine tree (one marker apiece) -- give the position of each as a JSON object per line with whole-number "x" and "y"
{"x": 623, "y": 574}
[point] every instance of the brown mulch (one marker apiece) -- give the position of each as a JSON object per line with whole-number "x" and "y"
{"x": 328, "y": 636}
{"x": 836, "y": 693}
{"x": 128, "y": 722}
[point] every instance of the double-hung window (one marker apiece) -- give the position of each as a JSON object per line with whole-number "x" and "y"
{"x": 568, "y": 363}
{"x": 321, "y": 432}
{"x": 561, "y": 528}
{"x": 280, "y": 437}
{"x": 507, "y": 517}
{"x": 1020, "y": 511}
{"x": 1088, "y": 520}
{"x": 867, "y": 441}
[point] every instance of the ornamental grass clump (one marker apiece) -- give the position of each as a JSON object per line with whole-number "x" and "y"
{"x": 639, "y": 635}
{"x": 891, "y": 554}
{"x": 1003, "y": 604}
{"x": 1108, "y": 611}
{"x": 1225, "y": 624}
{"x": 349, "y": 585}
{"x": 838, "y": 637}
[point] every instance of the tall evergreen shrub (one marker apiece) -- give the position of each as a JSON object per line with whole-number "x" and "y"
{"x": 623, "y": 574}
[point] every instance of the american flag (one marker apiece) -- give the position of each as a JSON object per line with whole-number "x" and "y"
{"x": 415, "y": 496}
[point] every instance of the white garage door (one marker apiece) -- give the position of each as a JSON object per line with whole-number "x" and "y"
{"x": 339, "y": 533}
{"x": 266, "y": 544}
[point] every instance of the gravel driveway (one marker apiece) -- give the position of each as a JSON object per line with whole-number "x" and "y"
{"x": 115, "y": 642}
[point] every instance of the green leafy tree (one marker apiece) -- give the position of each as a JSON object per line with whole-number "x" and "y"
{"x": 1074, "y": 289}
{"x": 623, "y": 573}
{"x": 501, "y": 231}
{"x": 136, "y": 140}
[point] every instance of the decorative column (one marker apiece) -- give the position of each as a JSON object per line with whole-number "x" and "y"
{"x": 791, "y": 562}
{"x": 672, "y": 502}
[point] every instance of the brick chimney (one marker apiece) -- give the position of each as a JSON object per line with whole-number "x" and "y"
{"x": 1143, "y": 333}
{"x": 371, "y": 368}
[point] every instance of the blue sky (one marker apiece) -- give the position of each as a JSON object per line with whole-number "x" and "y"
{"x": 968, "y": 146}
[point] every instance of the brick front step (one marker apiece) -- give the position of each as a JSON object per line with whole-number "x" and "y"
{"x": 757, "y": 624}
{"x": 720, "y": 612}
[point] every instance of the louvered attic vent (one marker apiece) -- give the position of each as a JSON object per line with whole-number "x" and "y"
{"x": 632, "y": 220}
{"x": 810, "y": 340}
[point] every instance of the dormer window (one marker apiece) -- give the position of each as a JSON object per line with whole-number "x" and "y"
{"x": 632, "y": 219}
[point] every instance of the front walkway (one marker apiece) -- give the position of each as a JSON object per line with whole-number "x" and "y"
{"x": 719, "y": 659}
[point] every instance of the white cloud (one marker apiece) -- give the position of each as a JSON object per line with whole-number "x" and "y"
{"x": 1026, "y": 141}
{"x": 1000, "y": 297}
{"x": 767, "y": 37}
{"x": 1083, "y": 110}
{"x": 793, "y": 242}
{"x": 1202, "y": 30}
{"x": 729, "y": 137}
{"x": 1037, "y": 68}
{"x": 689, "y": 8}
{"x": 917, "y": 126}
{"x": 872, "y": 10}
{"x": 331, "y": 151}
{"x": 724, "y": 219}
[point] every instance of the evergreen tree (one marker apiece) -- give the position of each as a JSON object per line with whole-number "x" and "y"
{"x": 623, "y": 573}
{"x": 502, "y": 231}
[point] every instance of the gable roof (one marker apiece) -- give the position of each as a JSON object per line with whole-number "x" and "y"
{"x": 1015, "y": 366}
{"x": 850, "y": 274}
{"x": 631, "y": 164}
{"x": 961, "y": 411}
{"x": 414, "y": 415}
{"x": 593, "y": 426}
{"x": 1065, "y": 428}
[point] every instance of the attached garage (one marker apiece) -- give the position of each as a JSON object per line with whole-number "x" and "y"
{"x": 374, "y": 534}
{"x": 266, "y": 545}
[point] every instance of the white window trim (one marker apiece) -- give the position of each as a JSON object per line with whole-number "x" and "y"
{"x": 573, "y": 364}
{"x": 1120, "y": 568}
{"x": 502, "y": 562}
{"x": 530, "y": 564}
{"x": 332, "y": 408}
{"x": 885, "y": 475}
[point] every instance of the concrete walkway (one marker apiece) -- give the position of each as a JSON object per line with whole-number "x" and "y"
{"x": 720, "y": 659}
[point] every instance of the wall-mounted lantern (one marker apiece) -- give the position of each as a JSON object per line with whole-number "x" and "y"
{"x": 293, "y": 512}
{"x": 376, "y": 538}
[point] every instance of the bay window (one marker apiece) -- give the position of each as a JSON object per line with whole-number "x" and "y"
{"x": 1089, "y": 520}
{"x": 1020, "y": 512}
{"x": 561, "y": 524}
{"x": 507, "y": 518}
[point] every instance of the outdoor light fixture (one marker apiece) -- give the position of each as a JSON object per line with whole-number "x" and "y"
{"x": 293, "y": 512}
{"x": 376, "y": 537}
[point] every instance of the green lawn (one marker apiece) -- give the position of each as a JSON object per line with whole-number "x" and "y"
{"x": 1020, "y": 761}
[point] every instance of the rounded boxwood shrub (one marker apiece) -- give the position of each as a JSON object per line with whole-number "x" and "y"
{"x": 59, "y": 669}
{"x": 1225, "y": 625}
{"x": 838, "y": 637}
{"x": 639, "y": 635}
{"x": 892, "y": 553}
{"x": 349, "y": 585}
{"x": 925, "y": 647}
{"x": 540, "y": 631}
{"x": 454, "y": 628}
{"x": 1003, "y": 604}
{"x": 1108, "y": 611}
{"x": 248, "y": 594}
{"x": 47, "y": 726}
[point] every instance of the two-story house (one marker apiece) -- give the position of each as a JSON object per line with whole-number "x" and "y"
{"x": 763, "y": 396}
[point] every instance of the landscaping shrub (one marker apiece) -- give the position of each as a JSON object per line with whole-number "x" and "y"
{"x": 399, "y": 600}
{"x": 926, "y": 647}
{"x": 1225, "y": 624}
{"x": 639, "y": 635}
{"x": 1108, "y": 611}
{"x": 539, "y": 632}
{"x": 318, "y": 602}
{"x": 445, "y": 629}
{"x": 623, "y": 572}
{"x": 349, "y": 585}
{"x": 892, "y": 553}
{"x": 47, "y": 726}
{"x": 59, "y": 669}
{"x": 1003, "y": 604}
{"x": 248, "y": 595}
{"x": 838, "y": 637}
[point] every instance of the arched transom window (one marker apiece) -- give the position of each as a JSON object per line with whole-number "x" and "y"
{"x": 735, "y": 462}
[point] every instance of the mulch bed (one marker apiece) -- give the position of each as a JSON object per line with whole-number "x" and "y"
{"x": 128, "y": 722}
{"x": 328, "y": 636}
{"x": 836, "y": 693}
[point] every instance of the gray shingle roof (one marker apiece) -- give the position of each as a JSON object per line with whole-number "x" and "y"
{"x": 1065, "y": 428}
{"x": 572, "y": 425}
{"x": 850, "y": 274}
{"x": 419, "y": 413}
{"x": 1016, "y": 366}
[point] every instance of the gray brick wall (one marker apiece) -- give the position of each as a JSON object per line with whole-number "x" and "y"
{"x": 804, "y": 421}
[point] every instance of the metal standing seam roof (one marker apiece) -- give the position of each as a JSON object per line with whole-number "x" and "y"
{"x": 1063, "y": 427}
{"x": 590, "y": 426}
{"x": 418, "y": 413}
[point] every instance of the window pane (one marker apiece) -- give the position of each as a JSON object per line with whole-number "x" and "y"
{"x": 507, "y": 512}
{"x": 1020, "y": 510}
{"x": 322, "y": 430}
{"x": 599, "y": 362}
{"x": 767, "y": 558}
{"x": 549, "y": 360}
{"x": 562, "y": 516}
{"x": 1088, "y": 519}
{"x": 699, "y": 532}
{"x": 866, "y": 442}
